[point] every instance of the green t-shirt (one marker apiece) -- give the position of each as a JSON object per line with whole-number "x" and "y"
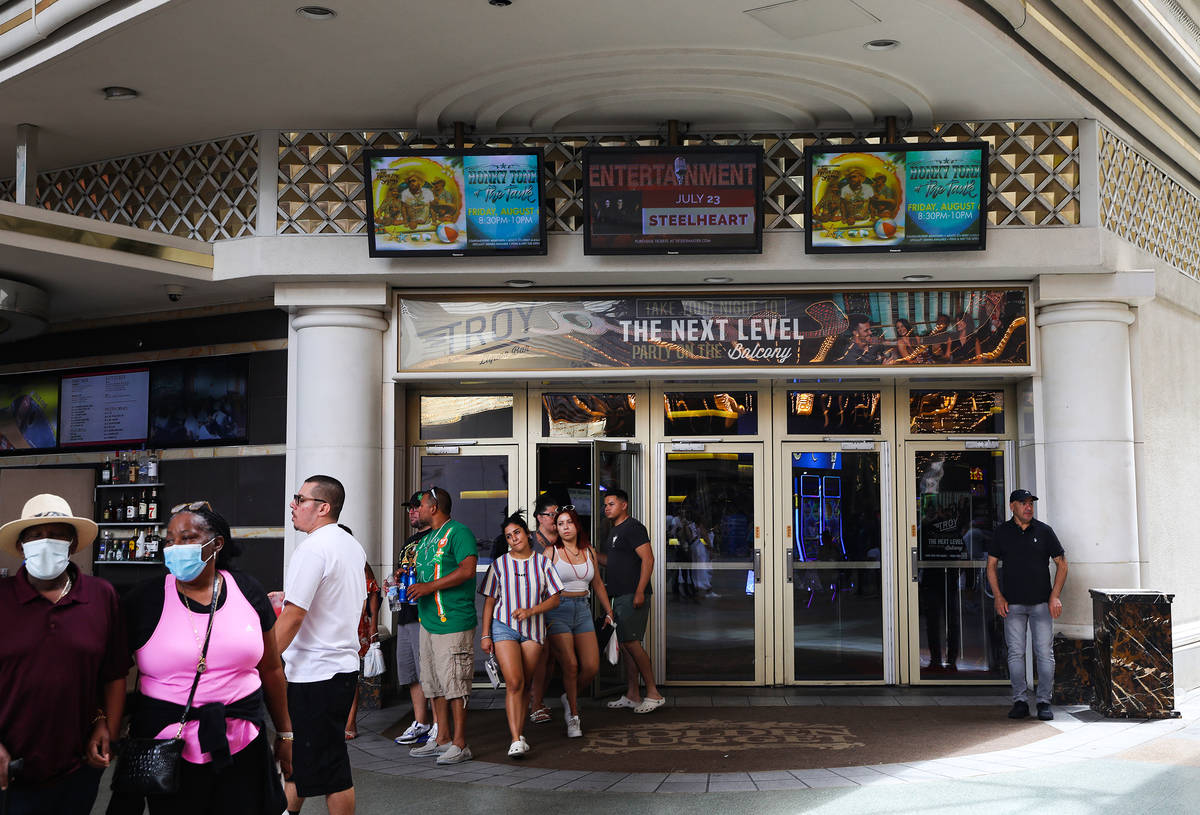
{"x": 438, "y": 554}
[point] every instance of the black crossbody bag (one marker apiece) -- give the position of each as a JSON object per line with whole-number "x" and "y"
{"x": 151, "y": 766}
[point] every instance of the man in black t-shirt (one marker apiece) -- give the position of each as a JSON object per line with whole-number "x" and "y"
{"x": 408, "y": 639}
{"x": 630, "y": 561}
{"x": 1025, "y": 598}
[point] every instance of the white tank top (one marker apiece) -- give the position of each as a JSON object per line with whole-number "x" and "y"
{"x": 575, "y": 577}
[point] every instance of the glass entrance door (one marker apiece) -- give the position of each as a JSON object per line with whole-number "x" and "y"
{"x": 580, "y": 474}
{"x": 837, "y": 585}
{"x": 482, "y": 483}
{"x": 709, "y": 590}
{"x": 956, "y": 497}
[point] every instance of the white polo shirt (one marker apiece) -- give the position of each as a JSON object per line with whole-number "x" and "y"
{"x": 326, "y": 579}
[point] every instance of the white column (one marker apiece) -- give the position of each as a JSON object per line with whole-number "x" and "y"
{"x": 1090, "y": 494}
{"x": 338, "y": 365}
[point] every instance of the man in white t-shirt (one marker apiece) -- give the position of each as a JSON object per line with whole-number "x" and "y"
{"x": 317, "y": 632}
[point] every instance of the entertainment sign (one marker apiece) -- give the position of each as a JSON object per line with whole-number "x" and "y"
{"x": 800, "y": 330}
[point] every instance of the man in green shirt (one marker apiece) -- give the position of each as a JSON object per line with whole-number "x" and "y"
{"x": 445, "y": 596}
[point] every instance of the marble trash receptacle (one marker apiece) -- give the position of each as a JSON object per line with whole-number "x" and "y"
{"x": 1134, "y": 672}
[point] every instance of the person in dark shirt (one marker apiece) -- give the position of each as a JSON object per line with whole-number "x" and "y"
{"x": 630, "y": 561}
{"x": 1025, "y": 598}
{"x": 408, "y": 639}
{"x": 63, "y": 661}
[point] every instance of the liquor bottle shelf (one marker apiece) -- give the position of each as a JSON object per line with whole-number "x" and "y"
{"x": 129, "y": 485}
{"x": 127, "y": 563}
{"x": 130, "y": 524}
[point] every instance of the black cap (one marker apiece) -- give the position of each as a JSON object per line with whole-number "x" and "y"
{"x": 414, "y": 501}
{"x": 1021, "y": 495}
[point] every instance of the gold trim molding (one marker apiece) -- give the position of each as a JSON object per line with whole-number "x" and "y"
{"x": 99, "y": 240}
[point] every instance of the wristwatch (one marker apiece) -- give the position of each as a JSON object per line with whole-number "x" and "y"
{"x": 286, "y": 735}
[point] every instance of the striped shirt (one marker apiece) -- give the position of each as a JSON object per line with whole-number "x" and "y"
{"x": 521, "y": 584}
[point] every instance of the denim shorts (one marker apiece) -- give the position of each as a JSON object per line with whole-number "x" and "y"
{"x": 502, "y": 632}
{"x": 572, "y": 616}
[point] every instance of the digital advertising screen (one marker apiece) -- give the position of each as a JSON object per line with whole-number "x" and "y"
{"x": 454, "y": 202}
{"x": 896, "y": 198}
{"x": 199, "y": 401}
{"x": 28, "y": 412}
{"x": 107, "y": 408}
{"x": 672, "y": 200}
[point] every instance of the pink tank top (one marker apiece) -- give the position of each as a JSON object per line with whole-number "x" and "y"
{"x": 167, "y": 662}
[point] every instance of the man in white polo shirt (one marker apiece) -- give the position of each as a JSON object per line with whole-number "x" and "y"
{"x": 317, "y": 634}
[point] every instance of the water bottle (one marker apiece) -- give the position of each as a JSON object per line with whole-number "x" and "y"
{"x": 410, "y": 579}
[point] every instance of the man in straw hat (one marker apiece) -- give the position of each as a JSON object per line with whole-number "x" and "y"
{"x": 63, "y": 662}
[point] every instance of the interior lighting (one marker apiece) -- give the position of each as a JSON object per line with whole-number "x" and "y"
{"x": 717, "y": 280}
{"x": 499, "y": 3}
{"x": 917, "y": 278}
{"x": 881, "y": 45}
{"x": 518, "y": 283}
{"x": 116, "y": 92}
{"x": 319, "y": 13}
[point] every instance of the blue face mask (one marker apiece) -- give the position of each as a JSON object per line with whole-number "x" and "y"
{"x": 185, "y": 561}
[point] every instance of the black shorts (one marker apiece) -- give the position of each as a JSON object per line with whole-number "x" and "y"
{"x": 320, "y": 761}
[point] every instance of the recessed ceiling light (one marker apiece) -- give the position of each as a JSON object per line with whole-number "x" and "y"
{"x": 519, "y": 284}
{"x": 718, "y": 280}
{"x": 881, "y": 45}
{"x": 500, "y": 3}
{"x": 117, "y": 92}
{"x": 316, "y": 13}
{"x": 917, "y": 278}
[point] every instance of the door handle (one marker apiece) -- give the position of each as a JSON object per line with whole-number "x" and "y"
{"x": 789, "y": 561}
{"x": 757, "y": 565}
{"x": 913, "y": 552}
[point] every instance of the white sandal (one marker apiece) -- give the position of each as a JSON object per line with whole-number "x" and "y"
{"x": 650, "y": 705}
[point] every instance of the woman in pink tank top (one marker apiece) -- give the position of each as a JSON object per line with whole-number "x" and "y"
{"x": 228, "y": 765}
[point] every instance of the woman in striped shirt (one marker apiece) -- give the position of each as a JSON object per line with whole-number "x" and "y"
{"x": 520, "y": 587}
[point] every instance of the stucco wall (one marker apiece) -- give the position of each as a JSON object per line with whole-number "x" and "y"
{"x": 1166, "y": 364}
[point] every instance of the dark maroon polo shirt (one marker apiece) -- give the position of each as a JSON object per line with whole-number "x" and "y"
{"x": 54, "y": 662}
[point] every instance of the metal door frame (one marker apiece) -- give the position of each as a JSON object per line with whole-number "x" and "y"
{"x": 906, "y": 549}
{"x": 887, "y": 555}
{"x": 763, "y": 566}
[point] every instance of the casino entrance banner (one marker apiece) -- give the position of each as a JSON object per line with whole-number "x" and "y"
{"x": 812, "y": 329}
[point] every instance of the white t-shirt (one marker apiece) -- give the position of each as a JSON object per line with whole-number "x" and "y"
{"x": 326, "y": 579}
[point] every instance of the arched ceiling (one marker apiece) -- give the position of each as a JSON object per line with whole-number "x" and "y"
{"x": 209, "y": 68}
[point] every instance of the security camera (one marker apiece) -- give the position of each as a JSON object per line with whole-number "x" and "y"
{"x": 174, "y": 292}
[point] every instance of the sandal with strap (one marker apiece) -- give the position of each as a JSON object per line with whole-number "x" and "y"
{"x": 540, "y": 716}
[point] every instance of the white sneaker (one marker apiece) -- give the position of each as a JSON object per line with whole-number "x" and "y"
{"x": 430, "y": 748}
{"x": 413, "y": 734}
{"x": 574, "y": 731}
{"x": 624, "y": 701}
{"x": 518, "y": 748}
{"x": 455, "y": 755}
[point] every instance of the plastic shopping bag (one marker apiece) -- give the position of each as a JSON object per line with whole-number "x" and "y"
{"x": 373, "y": 661}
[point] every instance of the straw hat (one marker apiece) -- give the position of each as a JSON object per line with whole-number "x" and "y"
{"x": 46, "y": 509}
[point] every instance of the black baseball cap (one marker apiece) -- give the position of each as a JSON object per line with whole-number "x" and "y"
{"x": 414, "y": 501}
{"x": 1021, "y": 495}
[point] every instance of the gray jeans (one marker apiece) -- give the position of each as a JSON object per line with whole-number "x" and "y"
{"x": 1037, "y": 619}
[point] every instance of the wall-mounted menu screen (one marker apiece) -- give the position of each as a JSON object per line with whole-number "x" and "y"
{"x": 107, "y": 408}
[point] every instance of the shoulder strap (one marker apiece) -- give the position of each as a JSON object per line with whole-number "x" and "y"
{"x": 201, "y": 663}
